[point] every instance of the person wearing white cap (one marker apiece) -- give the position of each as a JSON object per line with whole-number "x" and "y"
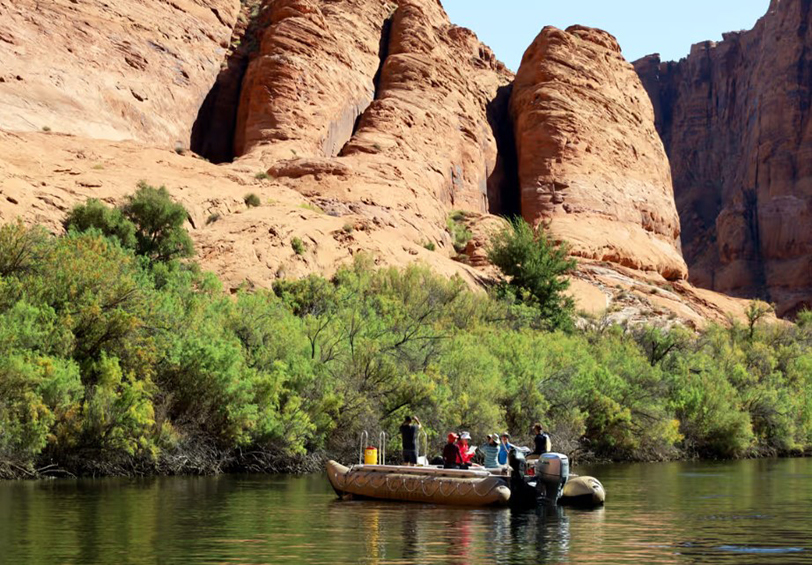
{"x": 465, "y": 449}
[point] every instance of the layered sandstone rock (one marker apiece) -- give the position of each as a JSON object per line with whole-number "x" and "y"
{"x": 591, "y": 164}
{"x": 374, "y": 121}
{"x": 398, "y": 94}
{"x": 42, "y": 176}
{"x": 434, "y": 119}
{"x": 130, "y": 69}
{"x": 735, "y": 120}
{"x": 313, "y": 76}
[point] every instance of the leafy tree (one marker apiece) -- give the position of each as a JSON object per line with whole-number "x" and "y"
{"x": 111, "y": 222}
{"x": 756, "y": 311}
{"x": 160, "y": 234}
{"x": 535, "y": 270}
{"x": 112, "y": 363}
{"x": 21, "y": 248}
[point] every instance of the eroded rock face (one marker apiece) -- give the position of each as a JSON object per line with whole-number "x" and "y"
{"x": 735, "y": 120}
{"x": 314, "y": 75}
{"x": 129, "y": 69}
{"x": 433, "y": 116}
{"x": 362, "y": 124}
{"x": 398, "y": 93}
{"x": 590, "y": 161}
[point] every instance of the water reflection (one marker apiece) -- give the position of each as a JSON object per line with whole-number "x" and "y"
{"x": 754, "y": 512}
{"x": 438, "y": 534}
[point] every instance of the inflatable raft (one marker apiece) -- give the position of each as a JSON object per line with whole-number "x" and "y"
{"x": 473, "y": 487}
{"x": 582, "y": 491}
{"x": 419, "y": 484}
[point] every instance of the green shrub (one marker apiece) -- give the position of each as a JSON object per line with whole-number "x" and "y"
{"x": 112, "y": 362}
{"x": 298, "y": 246}
{"x": 213, "y": 218}
{"x": 252, "y": 200}
{"x": 22, "y": 249}
{"x": 534, "y": 270}
{"x": 429, "y": 245}
{"x": 262, "y": 175}
{"x": 149, "y": 222}
{"x": 93, "y": 214}
{"x": 160, "y": 232}
{"x": 460, "y": 234}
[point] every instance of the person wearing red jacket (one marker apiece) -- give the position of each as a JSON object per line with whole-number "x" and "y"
{"x": 466, "y": 452}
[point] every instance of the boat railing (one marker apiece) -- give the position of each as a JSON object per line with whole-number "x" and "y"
{"x": 422, "y": 439}
{"x": 382, "y": 448}
{"x": 364, "y": 443}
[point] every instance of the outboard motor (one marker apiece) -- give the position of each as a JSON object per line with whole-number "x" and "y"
{"x": 552, "y": 472}
{"x": 522, "y": 495}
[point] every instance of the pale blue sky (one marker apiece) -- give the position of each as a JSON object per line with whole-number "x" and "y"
{"x": 642, "y": 27}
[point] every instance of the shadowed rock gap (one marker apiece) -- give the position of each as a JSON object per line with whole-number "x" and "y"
{"x": 383, "y": 54}
{"x": 503, "y": 182}
{"x": 214, "y": 129}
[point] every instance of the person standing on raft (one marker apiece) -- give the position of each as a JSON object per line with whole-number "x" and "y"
{"x": 541, "y": 441}
{"x": 408, "y": 434}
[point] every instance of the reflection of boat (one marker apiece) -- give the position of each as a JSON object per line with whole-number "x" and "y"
{"x": 549, "y": 483}
{"x": 419, "y": 484}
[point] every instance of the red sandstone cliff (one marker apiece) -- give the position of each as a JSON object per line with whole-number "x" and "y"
{"x": 360, "y": 124}
{"x": 590, "y": 161}
{"x": 394, "y": 96}
{"x": 735, "y": 120}
{"x": 129, "y": 69}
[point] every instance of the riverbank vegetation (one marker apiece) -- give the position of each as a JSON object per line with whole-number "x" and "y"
{"x": 118, "y": 355}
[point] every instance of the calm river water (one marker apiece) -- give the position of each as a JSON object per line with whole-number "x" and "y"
{"x": 732, "y": 512}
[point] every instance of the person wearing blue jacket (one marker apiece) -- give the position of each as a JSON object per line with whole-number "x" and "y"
{"x": 504, "y": 448}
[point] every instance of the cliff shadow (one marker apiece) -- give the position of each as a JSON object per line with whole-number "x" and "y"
{"x": 503, "y": 182}
{"x": 216, "y": 123}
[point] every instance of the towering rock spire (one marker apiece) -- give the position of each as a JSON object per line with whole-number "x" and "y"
{"x": 590, "y": 161}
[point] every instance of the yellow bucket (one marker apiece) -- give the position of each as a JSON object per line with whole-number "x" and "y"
{"x": 371, "y": 456}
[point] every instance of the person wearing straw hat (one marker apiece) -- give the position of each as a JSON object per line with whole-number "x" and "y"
{"x": 490, "y": 451}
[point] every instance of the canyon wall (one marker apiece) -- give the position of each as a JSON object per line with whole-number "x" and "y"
{"x": 361, "y": 126}
{"x": 129, "y": 69}
{"x": 393, "y": 95}
{"x": 735, "y": 120}
{"x": 591, "y": 164}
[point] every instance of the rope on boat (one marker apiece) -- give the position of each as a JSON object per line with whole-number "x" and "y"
{"x": 391, "y": 484}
